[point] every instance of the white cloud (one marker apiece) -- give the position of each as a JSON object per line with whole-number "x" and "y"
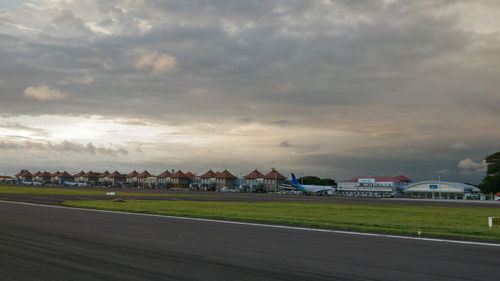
{"x": 85, "y": 80}
{"x": 156, "y": 62}
{"x": 469, "y": 164}
{"x": 44, "y": 93}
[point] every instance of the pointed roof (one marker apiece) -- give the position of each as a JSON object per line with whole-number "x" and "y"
{"x": 179, "y": 174}
{"x": 254, "y": 175}
{"x": 80, "y": 174}
{"x": 91, "y": 174}
{"x": 208, "y": 175}
{"x": 133, "y": 174}
{"x": 45, "y": 174}
{"x": 190, "y": 175}
{"x": 65, "y": 174}
{"x": 145, "y": 174}
{"x": 165, "y": 174}
{"x": 274, "y": 175}
{"x": 226, "y": 175}
{"x": 403, "y": 178}
{"x": 37, "y": 174}
{"x": 24, "y": 173}
{"x": 105, "y": 174}
{"x": 117, "y": 174}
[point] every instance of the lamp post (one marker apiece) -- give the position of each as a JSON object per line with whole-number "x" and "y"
{"x": 439, "y": 186}
{"x": 276, "y": 180}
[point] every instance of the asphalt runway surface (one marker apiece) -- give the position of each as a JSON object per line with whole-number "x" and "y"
{"x": 53, "y": 243}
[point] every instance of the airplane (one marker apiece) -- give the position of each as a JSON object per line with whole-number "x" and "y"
{"x": 71, "y": 183}
{"x": 28, "y": 182}
{"x": 312, "y": 189}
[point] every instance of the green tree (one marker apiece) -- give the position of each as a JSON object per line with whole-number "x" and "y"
{"x": 312, "y": 180}
{"x": 491, "y": 182}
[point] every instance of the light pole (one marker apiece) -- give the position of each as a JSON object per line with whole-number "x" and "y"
{"x": 276, "y": 179}
{"x": 439, "y": 186}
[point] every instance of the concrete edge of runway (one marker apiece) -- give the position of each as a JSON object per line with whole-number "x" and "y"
{"x": 440, "y": 240}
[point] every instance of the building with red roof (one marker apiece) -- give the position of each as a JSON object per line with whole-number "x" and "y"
{"x": 24, "y": 175}
{"x": 7, "y": 179}
{"x": 133, "y": 177}
{"x": 273, "y": 180}
{"x": 191, "y": 175}
{"x": 91, "y": 177}
{"x": 146, "y": 179}
{"x": 57, "y": 176}
{"x": 79, "y": 176}
{"x": 179, "y": 180}
{"x": 496, "y": 196}
{"x": 117, "y": 178}
{"x": 225, "y": 179}
{"x": 104, "y": 177}
{"x": 254, "y": 178}
{"x": 208, "y": 181}
{"x": 164, "y": 179}
{"x": 377, "y": 186}
{"x": 37, "y": 176}
{"x": 42, "y": 177}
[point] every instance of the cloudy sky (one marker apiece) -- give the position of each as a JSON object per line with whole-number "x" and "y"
{"x": 334, "y": 88}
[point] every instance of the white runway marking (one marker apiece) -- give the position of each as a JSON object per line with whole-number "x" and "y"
{"x": 263, "y": 225}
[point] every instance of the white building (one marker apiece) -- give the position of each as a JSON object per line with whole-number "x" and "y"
{"x": 441, "y": 189}
{"x": 372, "y": 186}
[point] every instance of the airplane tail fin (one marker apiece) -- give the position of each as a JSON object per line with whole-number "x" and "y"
{"x": 63, "y": 181}
{"x": 20, "y": 181}
{"x": 295, "y": 182}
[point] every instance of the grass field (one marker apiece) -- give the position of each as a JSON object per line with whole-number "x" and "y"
{"x": 65, "y": 191}
{"x": 452, "y": 222}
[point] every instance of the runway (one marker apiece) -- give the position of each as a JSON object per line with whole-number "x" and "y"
{"x": 46, "y": 243}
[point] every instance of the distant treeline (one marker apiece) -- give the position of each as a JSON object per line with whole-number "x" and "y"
{"x": 312, "y": 180}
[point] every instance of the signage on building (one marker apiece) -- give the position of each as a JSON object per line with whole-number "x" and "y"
{"x": 366, "y": 180}
{"x": 433, "y": 186}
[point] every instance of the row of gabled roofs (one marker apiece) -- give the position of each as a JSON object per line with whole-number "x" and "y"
{"x": 167, "y": 174}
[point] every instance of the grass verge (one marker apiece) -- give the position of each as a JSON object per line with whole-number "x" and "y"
{"x": 449, "y": 222}
{"x": 65, "y": 191}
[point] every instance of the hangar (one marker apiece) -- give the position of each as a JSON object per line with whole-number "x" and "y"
{"x": 440, "y": 189}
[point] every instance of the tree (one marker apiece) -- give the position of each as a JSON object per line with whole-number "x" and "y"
{"x": 491, "y": 182}
{"x": 312, "y": 180}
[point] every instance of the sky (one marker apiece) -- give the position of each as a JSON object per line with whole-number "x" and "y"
{"x": 332, "y": 88}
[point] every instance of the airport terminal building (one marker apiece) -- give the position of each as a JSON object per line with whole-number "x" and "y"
{"x": 441, "y": 190}
{"x": 372, "y": 186}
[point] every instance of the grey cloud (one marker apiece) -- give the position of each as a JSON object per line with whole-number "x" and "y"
{"x": 401, "y": 73}
{"x": 65, "y": 146}
{"x": 17, "y": 126}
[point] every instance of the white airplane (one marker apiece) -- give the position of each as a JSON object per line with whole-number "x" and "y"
{"x": 312, "y": 189}
{"x": 29, "y": 182}
{"x": 72, "y": 183}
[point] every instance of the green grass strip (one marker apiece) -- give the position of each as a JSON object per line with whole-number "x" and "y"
{"x": 65, "y": 191}
{"x": 450, "y": 222}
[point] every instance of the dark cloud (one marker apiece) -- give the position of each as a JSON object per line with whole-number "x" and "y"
{"x": 388, "y": 73}
{"x": 65, "y": 146}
